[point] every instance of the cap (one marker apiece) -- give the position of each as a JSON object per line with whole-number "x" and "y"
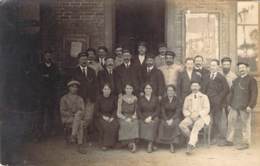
{"x": 142, "y": 43}
{"x": 73, "y": 82}
{"x": 226, "y": 59}
{"x": 242, "y": 62}
{"x": 162, "y": 45}
{"x": 171, "y": 53}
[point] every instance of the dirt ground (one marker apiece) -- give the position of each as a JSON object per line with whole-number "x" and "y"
{"x": 56, "y": 153}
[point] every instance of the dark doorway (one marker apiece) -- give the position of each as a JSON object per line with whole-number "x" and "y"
{"x": 140, "y": 20}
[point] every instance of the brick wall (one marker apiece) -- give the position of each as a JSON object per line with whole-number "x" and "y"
{"x": 76, "y": 19}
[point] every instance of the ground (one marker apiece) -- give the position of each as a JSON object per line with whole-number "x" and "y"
{"x": 55, "y": 152}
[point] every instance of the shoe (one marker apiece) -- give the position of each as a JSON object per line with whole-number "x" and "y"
{"x": 132, "y": 147}
{"x": 150, "y": 147}
{"x": 242, "y": 146}
{"x": 189, "y": 149}
{"x": 225, "y": 143}
{"x": 82, "y": 150}
{"x": 172, "y": 148}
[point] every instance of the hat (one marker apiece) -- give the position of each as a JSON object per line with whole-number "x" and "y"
{"x": 195, "y": 81}
{"x": 150, "y": 56}
{"x": 142, "y": 43}
{"x": 162, "y": 45}
{"x": 126, "y": 51}
{"x": 81, "y": 54}
{"x": 226, "y": 59}
{"x": 109, "y": 57}
{"x": 73, "y": 82}
{"x": 171, "y": 53}
{"x": 242, "y": 62}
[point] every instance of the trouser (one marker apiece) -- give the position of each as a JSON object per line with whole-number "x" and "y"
{"x": 245, "y": 120}
{"x": 88, "y": 117}
{"x": 219, "y": 125}
{"x": 78, "y": 127}
{"x": 196, "y": 126}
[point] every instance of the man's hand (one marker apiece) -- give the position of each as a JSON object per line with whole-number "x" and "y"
{"x": 248, "y": 109}
{"x": 148, "y": 119}
{"x": 194, "y": 115}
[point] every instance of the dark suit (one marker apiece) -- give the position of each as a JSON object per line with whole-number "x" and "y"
{"x": 184, "y": 82}
{"x": 137, "y": 64}
{"x": 155, "y": 77}
{"x": 217, "y": 90}
{"x": 127, "y": 75}
{"x": 203, "y": 73}
{"x": 88, "y": 85}
{"x": 104, "y": 77}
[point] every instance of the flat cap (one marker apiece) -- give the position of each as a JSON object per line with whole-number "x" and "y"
{"x": 73, "y": 82}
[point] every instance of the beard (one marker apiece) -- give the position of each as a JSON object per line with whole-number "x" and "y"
{"x": 226, "y": 70}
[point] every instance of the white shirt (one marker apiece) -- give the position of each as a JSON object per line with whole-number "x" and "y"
{"x": 84, "y": 69}
{"x": 149, "y": 69}
{"x": 189, "y": 73}
{"x": 141, "y": 58}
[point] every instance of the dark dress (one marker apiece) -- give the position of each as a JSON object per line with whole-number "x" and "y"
{"x": 127, "y": 109}
{"x": 169, "y": 134}
{"x": 106, "y": 106}
{"x": 146, "y": 108}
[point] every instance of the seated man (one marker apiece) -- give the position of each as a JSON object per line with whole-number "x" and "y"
{"x": 196, "y": 110}
{"x": 72, "y": 114}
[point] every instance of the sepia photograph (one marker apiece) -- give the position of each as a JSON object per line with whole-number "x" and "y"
{"x": 129, "y": 82}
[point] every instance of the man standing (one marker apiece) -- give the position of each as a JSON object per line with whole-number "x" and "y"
{"x": 185, "y": 78}
{"x": 107, "y": 76}
{"x": 200, "y": 70}
{"x": 154, "y": 76}
{"x": 243, "y": 99}
{"x": 139, "y": 61}
{"x": 86, "y": 76}
{"x": 127, "y": 73}
{"x": 49, "y": 77}
{"x": 119, "y": 55}
{"x": 227, "y": 73}
{"x": 160, "y": 59}
{"x": 170, "y": 70}
{"x": 102, "y": 52}
{"x": 92, "y": 63}
{"x": 196, "y": 112}
{"x": 217, "y": 90}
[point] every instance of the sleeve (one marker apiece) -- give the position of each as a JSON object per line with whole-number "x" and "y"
{"x": 115, "y": 107}
{"x": 118, "y": 80}
{"x": 161, "y": 83}
{"x": 253, "y": 93}
{"x": 81, "y": 105}
{"x": 63, "y": 109}
{"x": 139, "y": 109}
{"x": 179, "y": 86}
{"x": 231, "y": 93}
{"x": 178, "y": 109}
{"x": 205, "y": 107}
{"x": 97, "y": 108}
{"x": 156, "y": 112}
{"x": 135, "y": 105}
{"x": 225, "y": 90}
{"x": 163, "y": 111}
{"x": 119, "y": 108}
{"x": 186, "y": 111}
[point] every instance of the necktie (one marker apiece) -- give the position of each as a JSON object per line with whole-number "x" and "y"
{"x": 195, "y": 96}
{"x": 84, "y": 71}
{"x": 212, "y": 76}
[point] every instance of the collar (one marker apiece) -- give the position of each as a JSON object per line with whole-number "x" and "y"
{"x": 150, "y": 68}
{"x": 199, "y": 94}
{"x": 244, "y": 76}
{"x": 83, "y": 68}
{"x": 198, "y": 68}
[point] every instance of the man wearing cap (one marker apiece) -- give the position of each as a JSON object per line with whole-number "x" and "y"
{"x": 107, "y": 76}
{"x": 201, "y": 70}
{"x": 160, "y": 59}
{"x": 185, "y": 78}
{"x": 102, "y": 52}
{"x": 118, "y": 55}
{"x": 139, "y": 60}
{"x": 72, "y": 114}
{"x": 92, "y": 63}
{"x": 170, "y": 70}
{"x": 243, "y": 99}
{"x": 127, "y": 73}
{"x": 217, "y": 89}
{"x": 88, "y": 89}
{"x": 150, "y": 74}
{"x": 196, "y": 110}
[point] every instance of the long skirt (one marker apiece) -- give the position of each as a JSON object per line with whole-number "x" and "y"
{"x": 109, "y": 132}
{"x": 128, "y": 130}
{"x": 148, "y": 131}
{"x": 169, "y": 134}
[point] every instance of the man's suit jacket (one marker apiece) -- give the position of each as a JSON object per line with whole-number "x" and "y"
{"x": 104, "y": 77}
{"x": 137, "y": 64}
{"x": 127, "y": 75}
{"x": 155, "y": 77}
{"x": 217, "y": 90}
{"x": 203, "y": 73}
{"x": 184, "y": 82}
{"x": 203, "y": 108}
{"x": 88, "y": 85}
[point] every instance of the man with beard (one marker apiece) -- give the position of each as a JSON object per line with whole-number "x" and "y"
{"x": 92, "y": 63}
{"x": 227, "y": 73}
{"x": 119, "y": 55}
{"x": 170, "y": 70}
{"x": 160, "y": 59}
{"x": 201, "y": 71}
{"x": 150, "y": 74}
{"x": 243, "y": 99}
{"x": 107, "y": 76}
{"x": 49, "y": 77}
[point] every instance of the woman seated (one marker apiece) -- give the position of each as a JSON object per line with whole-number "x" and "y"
{"x": 126, "y": 112}
{"x": 105, "y": 108}
{"x": 170, "y": 118}
{"x": 72, "y": 114}
{"x": 148, "y": 113}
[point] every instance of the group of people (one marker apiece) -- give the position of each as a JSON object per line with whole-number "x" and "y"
{"x": 128, "y": 98}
